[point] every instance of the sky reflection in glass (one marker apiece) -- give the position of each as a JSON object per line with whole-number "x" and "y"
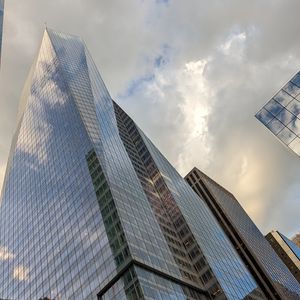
{"x": 281, "y": 115}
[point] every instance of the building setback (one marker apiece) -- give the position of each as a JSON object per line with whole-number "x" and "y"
{"x": 286, "y": 250}
{"x": 266, "y": 267}
{"x": 91, "y": 209}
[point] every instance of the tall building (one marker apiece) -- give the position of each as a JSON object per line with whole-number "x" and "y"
{"x": 1, "y": 25}
{"x": 270, "y": 272}
{"x": 281, "y": 115}
{"x": 286, "y": 250}
{"x": 296, "y": 239}
{"x": 91, "y": 209}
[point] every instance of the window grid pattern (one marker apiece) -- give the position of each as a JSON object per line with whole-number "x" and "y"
{"x": 233, "y": 276}
{"x": 255, "y": 240}
{"x": 281, "y": 115}
{"x": 181, "y": 241}
{"x": 72, "y": 201}
{"x": 138, "y": 283}
{"x": 51, "y": 230}
{"x": 132, "y": 207}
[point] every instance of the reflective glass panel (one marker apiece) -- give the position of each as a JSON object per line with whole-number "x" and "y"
{"x": 285, "y": 106}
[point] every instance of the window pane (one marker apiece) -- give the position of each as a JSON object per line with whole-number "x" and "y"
{"x": 275, "y": 126}
{"x": 295, "y": 126}
{"x": 292, "y": 89}
{"x": 296, "y": 79}
{"x": 283, "y": 98}
{"x": 286, "y": 136}
{"x": 285, "y": 117}
{"x": 273, "y": 107}
{"x": 264, "y": 116}
{"x": 294, "y": 107}
{"x": 295, "y": 146}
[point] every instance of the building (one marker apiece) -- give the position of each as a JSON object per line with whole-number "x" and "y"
{"x": 1, "y": 25}
{"x": 286, "y": 250}
{"x": 91, "y": 209}
{"x": 281, "y": 114}
{"x": 296, "y": 239}
{"x": 270, "y": 273}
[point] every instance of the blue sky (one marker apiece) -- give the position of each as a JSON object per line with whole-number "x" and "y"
{"x": 191, "y": 74}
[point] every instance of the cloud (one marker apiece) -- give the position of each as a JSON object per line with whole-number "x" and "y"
{"x": 191, "y": 74}
{"x": 5, "y": 254}
{"x": 21, "y": 273}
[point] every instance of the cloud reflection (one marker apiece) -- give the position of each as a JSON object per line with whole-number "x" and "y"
{"x": 6, "y": 254}
{"x": 21, "y": 273}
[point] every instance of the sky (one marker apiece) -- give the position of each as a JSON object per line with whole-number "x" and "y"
{"x": 192, "y": 74}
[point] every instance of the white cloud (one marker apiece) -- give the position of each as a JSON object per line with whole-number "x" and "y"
{"x": 5, "y": 254}
{"x": 21, "y": 273}
{"x": 223, "y": 61}
{"x": 234, "y": 44}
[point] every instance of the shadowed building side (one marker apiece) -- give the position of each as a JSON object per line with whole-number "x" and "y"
{"x": 272, "y": 275}
{"x": 286, "y": 250}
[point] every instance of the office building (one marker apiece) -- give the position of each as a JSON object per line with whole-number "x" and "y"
{"x": 286, "y": 250}
{"x": 91, "y": 209}
{"x": 1, "y": 25}
{"x": 266, "y": 267}
{"x": 296, "y": 239}
{"x": 281, "y": 114}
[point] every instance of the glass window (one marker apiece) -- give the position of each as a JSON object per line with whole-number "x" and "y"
{"x": 283, "y": 98}
{"x": 292, "y": 89}
{"x": 296, "y": 79}
{"x": 264, "y": 116}
{"x": 286, "y": 136}
{"x": 275, "y": 126}
{"x": 294, "y": 107}
{"x": 285, "y": 117}
{"x": 295, "y": 126}
{"x": 273, "y": 107}
{"x": 295, "y": 146}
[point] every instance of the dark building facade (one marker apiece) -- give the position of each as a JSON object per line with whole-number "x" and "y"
{"x": 91, "y": 209}
{"x": 271, "y": 274}
{"x": 286, "y": 250}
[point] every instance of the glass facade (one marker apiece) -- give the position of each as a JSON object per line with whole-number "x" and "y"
{"x": 1, "y": 25}
{"x": 281, "y": 115}
{"x": 91, "y": 209}
{"x": 246, "y": 236}
{"x": 286, "y": 250}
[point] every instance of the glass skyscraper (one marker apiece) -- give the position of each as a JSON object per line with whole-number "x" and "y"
{"x": 91, "y": 209}
{"x": 281, "y": 115}
{"x": 1, "y": 25}
{"x": 270, "y": 272}
{"x": 288, "y": 251}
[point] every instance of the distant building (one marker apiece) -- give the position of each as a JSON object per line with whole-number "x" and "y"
{"x": 288, "y": 251}
{"x": 296, "y": 239}
{"x": 270, "y": 272}
{"x": 281, "y": 115}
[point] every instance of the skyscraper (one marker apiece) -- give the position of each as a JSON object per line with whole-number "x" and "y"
{"x": 286, "y": 250}
{"x": 281, "y": 115}
{"x": 90, "y": 208}
{"x": 296, "y": 239}
{"x": 1, "y": 25}
{"x": 269, "y": 271}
